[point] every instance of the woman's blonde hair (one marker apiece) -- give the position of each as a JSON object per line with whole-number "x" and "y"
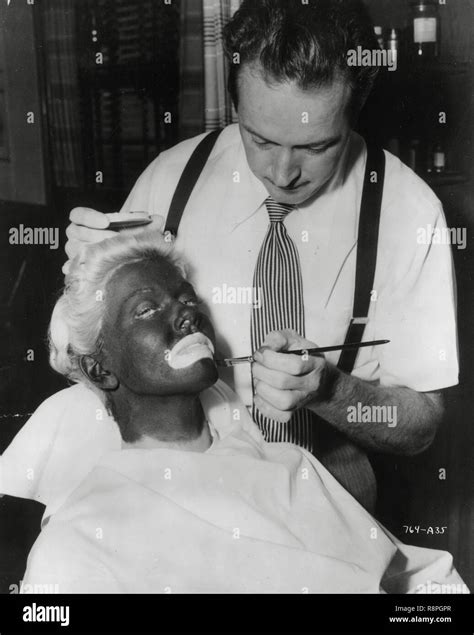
{"x": 76, "y": 322}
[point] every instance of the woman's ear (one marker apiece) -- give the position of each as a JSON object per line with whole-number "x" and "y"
{"x": 94, "y": 371}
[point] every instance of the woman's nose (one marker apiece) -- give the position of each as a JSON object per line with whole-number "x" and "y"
{"x": 187, "y": 320}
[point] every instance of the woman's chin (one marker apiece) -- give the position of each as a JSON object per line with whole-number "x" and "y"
{"x": 209, "y": 369}
{"x": 203, "y": 373}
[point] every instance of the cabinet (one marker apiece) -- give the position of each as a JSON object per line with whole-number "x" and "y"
{"x": 129, "y": 83}
{"x": 406, "y": 103}
{"x": 423, "y": 105}
{"x": 23, "y": 172}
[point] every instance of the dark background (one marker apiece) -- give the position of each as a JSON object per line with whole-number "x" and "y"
{"x": 404, "y": 106}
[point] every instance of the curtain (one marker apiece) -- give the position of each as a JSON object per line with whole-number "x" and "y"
{"x": 218, "y": 110}
{"x": 59, "y": 31}
{"x": 191, "y": 105}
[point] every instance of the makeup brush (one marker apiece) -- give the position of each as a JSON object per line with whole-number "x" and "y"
{"x": 232, "y": 361}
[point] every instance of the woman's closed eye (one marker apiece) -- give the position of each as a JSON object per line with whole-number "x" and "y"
{"x": 190, "y": 301}
{"x": 145, "y": 311}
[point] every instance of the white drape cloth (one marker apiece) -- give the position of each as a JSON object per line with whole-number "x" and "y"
{"x": 245, "y": 516}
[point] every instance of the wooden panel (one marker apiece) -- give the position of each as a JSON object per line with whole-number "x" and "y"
{"x": 124, "y": 99}
{"x": 457, "y": 29}
{"x": 23, "y": 176}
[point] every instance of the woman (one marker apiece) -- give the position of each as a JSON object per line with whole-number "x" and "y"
{"x": 192, "y": 499}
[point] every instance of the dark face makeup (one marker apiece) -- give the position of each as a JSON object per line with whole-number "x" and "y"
{"x": 150, "y": 310}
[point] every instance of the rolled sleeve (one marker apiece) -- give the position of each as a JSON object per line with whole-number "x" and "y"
{"x": 416, "y": 311}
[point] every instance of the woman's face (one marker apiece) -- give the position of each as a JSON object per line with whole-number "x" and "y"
{"x": 150, "y": 309}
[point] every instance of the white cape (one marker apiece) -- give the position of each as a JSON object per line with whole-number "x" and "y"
{"x": 244, "y": 517}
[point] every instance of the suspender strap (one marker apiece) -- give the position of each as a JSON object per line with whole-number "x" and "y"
{"x": 369, "y": 221}
{"x": 188, "y": 180}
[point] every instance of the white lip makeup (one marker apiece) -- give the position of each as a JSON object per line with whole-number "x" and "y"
{"x": 189, "y": 350}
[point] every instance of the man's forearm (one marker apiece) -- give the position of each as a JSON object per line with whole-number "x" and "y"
{"x": 379, "y": 418}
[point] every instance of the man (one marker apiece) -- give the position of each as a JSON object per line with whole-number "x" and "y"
{"x": 297, "y": 100}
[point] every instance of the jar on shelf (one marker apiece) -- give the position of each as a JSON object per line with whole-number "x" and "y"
{"x": 439, "y": 159}
{"x": 426, "y": 28}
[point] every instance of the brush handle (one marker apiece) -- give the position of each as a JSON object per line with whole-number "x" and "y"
{"x": 338, "y": 347}
{"x": 308, "y": 351}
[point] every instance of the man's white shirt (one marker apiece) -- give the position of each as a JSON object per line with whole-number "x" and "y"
{"x": 223, "y": 227}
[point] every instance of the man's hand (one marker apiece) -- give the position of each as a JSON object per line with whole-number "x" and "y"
{"x": 284, "y": 383}
{"x": 90, "y": 226}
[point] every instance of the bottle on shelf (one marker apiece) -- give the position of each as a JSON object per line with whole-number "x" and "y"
{"x": 414, "y": 155}
{"x": 393, "y": 44}
{"x": 439, "y": 159}
{"x": 378, "y": 30}
{"x": 426, "y": 28}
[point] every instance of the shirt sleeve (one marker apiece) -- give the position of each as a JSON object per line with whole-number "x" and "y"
{"x": 415, "y": 303}
{"x": 154, "y": 189}
{"x": 141, "y": 197}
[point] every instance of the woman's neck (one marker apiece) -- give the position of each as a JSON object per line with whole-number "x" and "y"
{"x": 155, "y": 422}
{"x": 200, "y": 444}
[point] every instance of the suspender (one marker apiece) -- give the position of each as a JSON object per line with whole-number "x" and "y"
{"x": 188, "y": 180}
{"x": 369, "y": 221}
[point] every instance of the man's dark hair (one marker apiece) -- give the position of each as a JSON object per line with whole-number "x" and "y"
{"x": 305, "y": 42}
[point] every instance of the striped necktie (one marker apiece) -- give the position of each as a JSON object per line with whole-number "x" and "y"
{"x": 277, "y": 281}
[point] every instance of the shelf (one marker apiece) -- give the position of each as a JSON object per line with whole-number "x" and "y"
{"x": 409, "y": 71}
{"x": 444, "y": 178}
{"x": 435, "y": 66}
{"x": 133, "y": 77}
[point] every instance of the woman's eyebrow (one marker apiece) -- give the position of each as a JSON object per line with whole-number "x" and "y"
{"x": 186, "y": 286}
{"x": 138, "y": 292}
